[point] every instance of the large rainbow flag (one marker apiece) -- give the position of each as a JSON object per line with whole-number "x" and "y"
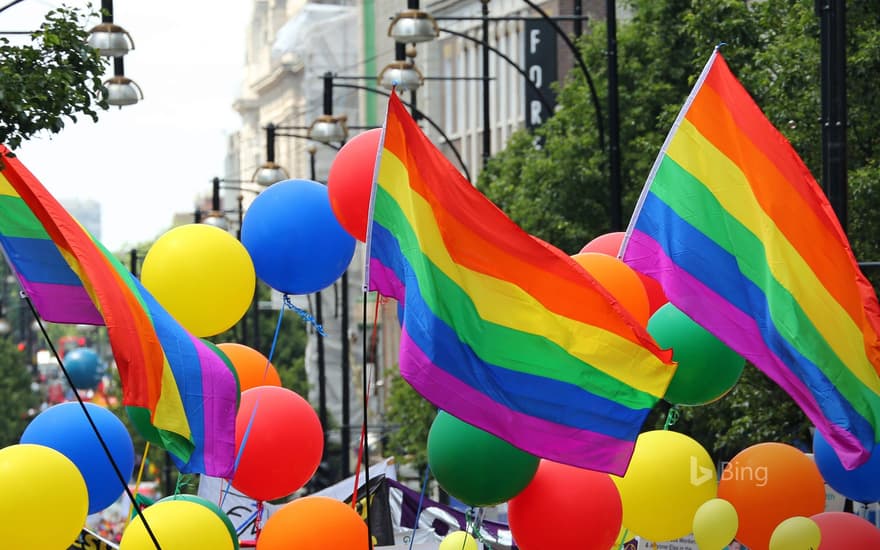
{"x": 179, "y": 391}
{"x": 505, "y": 332}
{"x": 743, "y": 240}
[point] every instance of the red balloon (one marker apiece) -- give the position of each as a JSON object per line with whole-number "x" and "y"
{"x": 609, "y": 244}
{"x": 283, "y": 442}
{"x": 350, "y": 182}
{"x": 566, "y": 507}
{"x": 843, "y": 530}
{"x": 656, "y": 297}
{"x": 768, "y": 483}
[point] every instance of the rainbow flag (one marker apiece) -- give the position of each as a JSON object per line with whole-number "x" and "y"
{"x": 743, "y": 240}
{"x": 179, "y": 392}
{"x": 505, "y": 332}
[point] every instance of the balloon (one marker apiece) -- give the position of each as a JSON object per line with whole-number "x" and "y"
{"x": 178, "y": 523}
{"x": 796, "y": 533}
{"x": 458, "y": 540}
{"x": 565, "y": 507}
{"x": 618, "y": 279}
{"x": 283, "y": 442}
{"x": 861, "y": 484}
{"x": 350, "y": 182}
{"x": 252, "y": 367}
{"x": 230, "y": 528}
{"x": 202, "y": 276}
{"x": 314, "y": 523}
{"x": 715, "y": 524}
{"x": 84, "y": 367}
{"x": 44, "y": 502}
{"x": 297, "y": 245}
{"x": 608, "y": 244}
{"x": 669, "y": 477}
{"x": 656, "y": 297}
{"x": 66, "y": 429}
{"x": 707, "y": 368}
{"x": 842, "y": 530}
{"x": 768, "y": 483}
{"x": 474, "y": 466}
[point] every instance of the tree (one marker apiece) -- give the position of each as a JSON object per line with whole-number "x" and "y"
{"x": 17, "y": 401}
{"x": 411, "y": 415}
{"x": 559, "y": 192}
{"x": 56, "y": 77}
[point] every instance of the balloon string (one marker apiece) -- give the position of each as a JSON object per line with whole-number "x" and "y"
{"x": 137, "y": 483}
{"x": 671, "y": 418}
{"x": 250, "y": 424}
{"x": 623, "y": 539}
{"x": 419, "y": 507}
{"x": 306, "y": 316}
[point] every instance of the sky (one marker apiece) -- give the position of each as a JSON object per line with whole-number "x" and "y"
{"x": 145, "y": 162}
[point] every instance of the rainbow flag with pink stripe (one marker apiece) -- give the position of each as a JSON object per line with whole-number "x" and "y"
{"x": 742, "y": 239}
{"x": 180, "y": 392}
{"x": 505, "y": 332}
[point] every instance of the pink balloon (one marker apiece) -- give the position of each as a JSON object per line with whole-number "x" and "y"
{"x": 609, "y": 244}
{"x": 842, "y": 530}
{"x": 350, "y": 182}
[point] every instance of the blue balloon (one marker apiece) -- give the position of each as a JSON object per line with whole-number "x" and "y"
{"x": 294, "y": 239}
{"x": 861, "y": 484}
{"x": 66, "y": 429}
{"x": 84, "y": 367}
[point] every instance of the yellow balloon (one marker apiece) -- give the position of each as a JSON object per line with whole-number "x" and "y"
{"x": 458, "y": 540}
{"x": 43, "y": 498}
{"x": 669, "y": 477}
{"x": 715, "y": 524}
{"x": 178, "y": 524}
{"x": 202, "y": 276}
{"x": 796, "y": 533}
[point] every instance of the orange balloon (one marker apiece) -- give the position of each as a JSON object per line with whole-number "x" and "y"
{"x": 768, "y": 483}
{"x": 314, "y": 523}
{"x": 608, "y": 244}
{"x": 251, "y": 366}
{"x": 620, "y": 280}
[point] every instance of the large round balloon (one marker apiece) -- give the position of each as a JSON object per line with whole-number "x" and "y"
{"x": 841, "y": 530}
{"x": 707, "y": 368}
{"x": 295, "y": 240}
{"x": 796, "y": 533}
{"x": 768, "y": 483}
{"x": 669, "y": 477}
{"x": 44, "y": 498}
{"x": 66, "y": 429}
{"x": 474, "y": 466}
{"x": 314, "y": 523}
{"x": 861, "y": 484}
{"x": 566, "y": 507}
{"x": 202, "y": 276}
{"x": 618, "y": 279}
{"x": 178, "y": 523}
{"x": 458, "y": 540}
{"x": 84, "y": 367}
{"x": 230, "y": 527}
{"x": 252, "y": 367}
{"x": 282, "y": 442}
{"x": 350, "y": 181}
{"x": 715, "y": 524}
{"x": 608, "y": 244}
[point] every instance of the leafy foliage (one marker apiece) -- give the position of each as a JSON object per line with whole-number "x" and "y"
{"x": 16, "y": 397}
{"x": 412, "y": 416}
{"x": 56, "y": 77}
{"x": 559, "y": 192}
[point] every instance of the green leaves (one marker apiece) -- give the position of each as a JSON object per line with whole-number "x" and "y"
{"x": 51, "y": 79}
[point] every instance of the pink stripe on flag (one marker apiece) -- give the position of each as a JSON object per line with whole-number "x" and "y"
{"x": 546, "y": 439}
{"x": 219, "y": 442}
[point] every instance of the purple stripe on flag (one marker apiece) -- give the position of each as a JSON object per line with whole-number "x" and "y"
{"x": 384, "y": 280}
{"x": 534, "y": 435}
{"x": 734, "y": 327}
{"x": 218, "y": 447}
{"x": 62, "y": 303}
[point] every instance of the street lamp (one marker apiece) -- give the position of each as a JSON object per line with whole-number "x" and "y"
{"x": 413, "y": 25}
{"x": 400, "y": 73}
{"x": 111, "y": 40}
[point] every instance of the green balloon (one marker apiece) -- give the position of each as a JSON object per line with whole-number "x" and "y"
{"x": 474, "y": 466}
{"x": 707, "y": 368}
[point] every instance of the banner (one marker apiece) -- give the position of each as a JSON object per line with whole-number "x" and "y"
{"x": 88, "y": 540}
